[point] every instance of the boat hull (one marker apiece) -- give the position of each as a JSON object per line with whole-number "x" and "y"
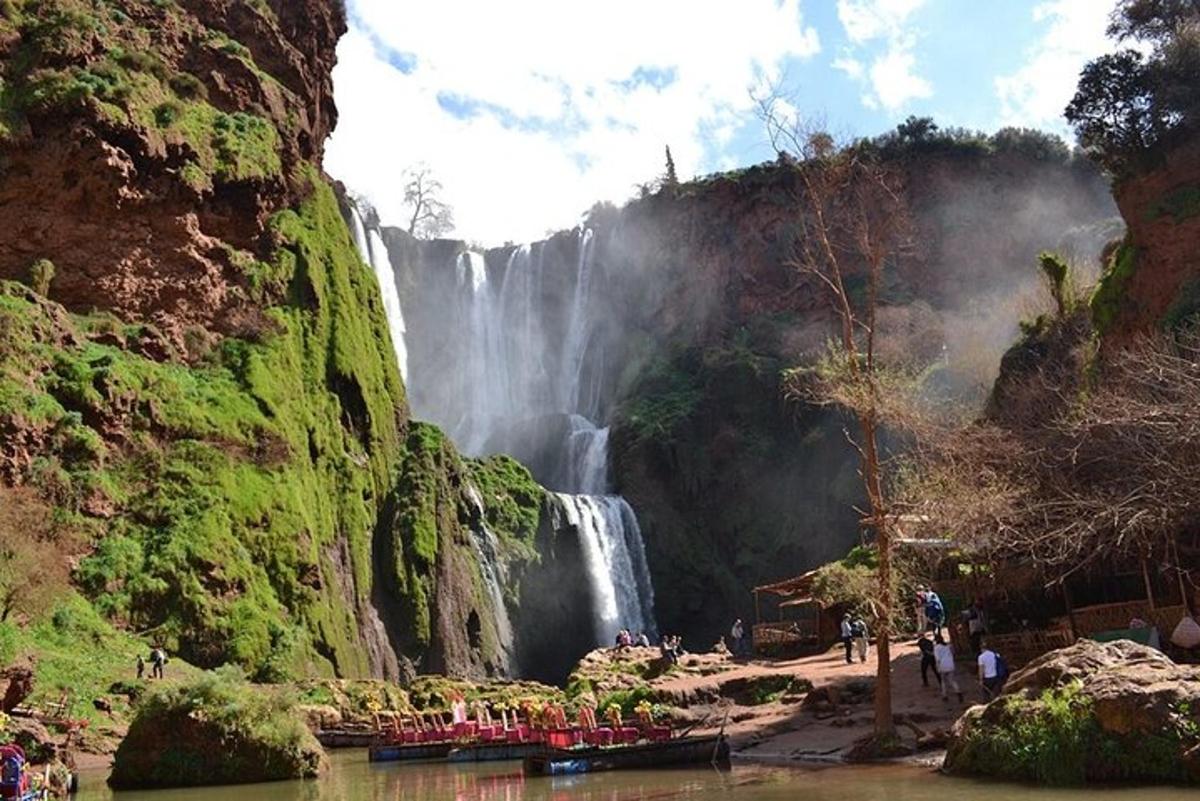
{"x": 418, "y": 752}
{"x": 332, "y": 738}
{"x": 683, "y": 751}
{"x": 500, "y": 752}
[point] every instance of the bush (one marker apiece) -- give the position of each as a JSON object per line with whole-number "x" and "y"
{"x": 41, "y": 274}
{"x": 218, "y": 729}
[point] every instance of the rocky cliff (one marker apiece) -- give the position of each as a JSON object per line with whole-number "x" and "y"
{"x": 196, "y": 376}
{"x": 694, "y": 315}
{"x": 1152, "y": 280}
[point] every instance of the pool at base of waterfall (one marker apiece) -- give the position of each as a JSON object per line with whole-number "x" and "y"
{"x": 352, "y": 778}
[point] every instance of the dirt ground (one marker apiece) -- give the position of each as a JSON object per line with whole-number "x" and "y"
{"x": 784, "y": 730}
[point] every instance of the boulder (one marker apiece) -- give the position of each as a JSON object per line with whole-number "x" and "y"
{"x": 217, "y": 730}
{"x": 1115, "y": 711}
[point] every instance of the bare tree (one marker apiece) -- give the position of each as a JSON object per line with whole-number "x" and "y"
{"x": 852, "y": 222}
{"x": 1062, "y": 478}
{"x": 431, "y": 217}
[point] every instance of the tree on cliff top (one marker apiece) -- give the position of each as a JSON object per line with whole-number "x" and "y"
{"x": 431, "y": 217}
{"x": 1127, "y": 103}
{"x": 853, "y": 222}
{"x": 670, "y": 177}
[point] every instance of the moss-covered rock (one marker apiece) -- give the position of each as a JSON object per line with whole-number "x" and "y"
{"x": 1093, "y": 712}
{"x": 216, "y": 730}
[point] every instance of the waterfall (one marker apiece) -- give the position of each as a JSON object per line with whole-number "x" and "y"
{"x": 520, "y": 370}
{"x": 374, "y": 252}
{"x": 614, "y": 556}
{"x": 486, "y": 548}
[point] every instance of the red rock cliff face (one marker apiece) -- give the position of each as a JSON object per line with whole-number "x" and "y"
{"x": 1162, "y": 212}
{"x": 146, "y": 144}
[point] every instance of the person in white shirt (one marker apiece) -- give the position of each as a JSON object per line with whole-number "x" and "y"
{"x": 989, "y": 673}
{"x": 943, "y": 655}
{"x": 847, "y": 638}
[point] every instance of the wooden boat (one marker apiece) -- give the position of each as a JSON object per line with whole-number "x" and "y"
{"x": 347, "y": 738}
{"x": 713, "y": 749}
{"x": 493, "y": 752}
{"x": 410, "y": 752}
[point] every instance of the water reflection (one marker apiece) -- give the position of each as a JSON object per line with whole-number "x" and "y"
{"x": 355, "y": 779}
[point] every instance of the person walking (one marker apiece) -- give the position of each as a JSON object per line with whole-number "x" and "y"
{"x": 862, "y": 638}
{"x": 847, "y": 638}
{"x": 922, "y": 623}
{"x": 158, "y": 659}
{"x": 935, "y": 613}
{"x": 737, "y": 634}
{"x": 976, "y": 626}
{"x": 943, "y": 655}
{"x": 928, "y": 663}
{"x": 991, "y": 678}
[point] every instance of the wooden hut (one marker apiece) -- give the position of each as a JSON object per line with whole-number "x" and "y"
{"x": 788, "y": 620}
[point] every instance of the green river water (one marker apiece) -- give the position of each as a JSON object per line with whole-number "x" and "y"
{"x": 354, "y": 779}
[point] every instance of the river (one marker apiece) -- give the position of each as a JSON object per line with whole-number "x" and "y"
{"x": 354, "y": 779}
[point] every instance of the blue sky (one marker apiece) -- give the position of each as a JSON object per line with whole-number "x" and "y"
{"x": 529, "y": 111}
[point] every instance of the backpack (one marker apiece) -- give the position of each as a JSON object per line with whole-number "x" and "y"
{"x": 857, "y": 629}
{"x": 1001, "y": 667}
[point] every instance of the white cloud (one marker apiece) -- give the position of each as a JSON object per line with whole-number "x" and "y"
{"x": 560, "y": 118}
{"x": 883, "y": 32}
{"x": 1073, "y": 33}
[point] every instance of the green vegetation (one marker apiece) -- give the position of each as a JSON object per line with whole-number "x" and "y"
{"x": 239, "y": 477}
{"x": 215, "y": 730}
{"x": 1131, "y": 104}
{"x": 130, "y": 85}
{"x": 1109, "y": 294}
{"x": 668, "y": 393}
{"x": 1057, "y": 273}
{"x": 1185, "y": 310}
{"x": 1055, "y": 739}
{"x": 1180, "y": 205}
{"x": 41, "y": 273}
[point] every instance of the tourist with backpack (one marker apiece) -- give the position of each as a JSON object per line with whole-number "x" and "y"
{"x": 935, "y": 613}
{"x": 862, "y": 638}
{"x": 992, "y": 672}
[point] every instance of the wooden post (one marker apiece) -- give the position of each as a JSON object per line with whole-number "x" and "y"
{"x": 1183, "y": 595}
{"x": 1062, "y": 583}
{"x": 1149, "y": 586}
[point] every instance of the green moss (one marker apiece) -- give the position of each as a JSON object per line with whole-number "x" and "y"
{"x": 215, "y": 730}
{"x": 1181, "y": 204}
{"x": 1109, "y": 294}
{"x": 238, "y": 475}
{"x": 1055, "y": 739}
{"x": 41, "y": 273}
{"x": 512, "y": 499}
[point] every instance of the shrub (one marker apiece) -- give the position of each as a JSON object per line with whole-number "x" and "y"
{"x": 218, "y": 729}
{"x": 41, "y": 274}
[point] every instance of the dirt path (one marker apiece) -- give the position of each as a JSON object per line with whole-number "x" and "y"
{"x": 784, "y": 729}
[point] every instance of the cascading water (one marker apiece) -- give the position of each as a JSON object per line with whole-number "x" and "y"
{"x": 521, "y": 371}
{"x": 374, "y": 252}
{"x": 492, "y": 569}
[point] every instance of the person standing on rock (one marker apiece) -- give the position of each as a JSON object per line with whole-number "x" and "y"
{"x": 943, "y": 654}
{"x": 848, "y": 638}
{"x": 862, "y": 638}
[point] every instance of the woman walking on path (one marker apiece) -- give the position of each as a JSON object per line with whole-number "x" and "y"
{"x": 943, "y": 654}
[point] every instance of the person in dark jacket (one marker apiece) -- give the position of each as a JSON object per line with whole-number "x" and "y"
{"x": 928, "y": 663}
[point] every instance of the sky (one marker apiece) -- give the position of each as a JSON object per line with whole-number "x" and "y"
{"x": 530, "y": 111}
